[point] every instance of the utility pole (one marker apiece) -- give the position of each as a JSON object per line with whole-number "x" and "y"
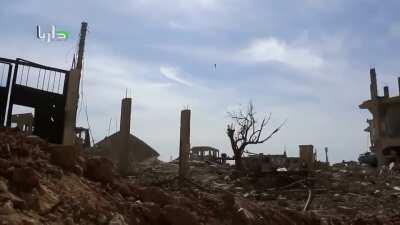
{"x": 72, "y": 99}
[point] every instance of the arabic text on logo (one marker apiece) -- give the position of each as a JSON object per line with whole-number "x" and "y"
{"x": 53, "y": 35}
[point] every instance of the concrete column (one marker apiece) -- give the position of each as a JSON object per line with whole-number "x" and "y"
{"x": 398, "y": 82}
{"x": 373, "y": 86}
{"x": 72, "y": 98}
{"x": 184, "y": 146}
{"x": 71, "y": 106}
{"x": 124, "y": 132}
{"x": 386, "y": 91}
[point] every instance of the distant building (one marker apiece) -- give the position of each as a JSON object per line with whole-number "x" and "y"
{"x": 267, "y": 163}
{"x": 23, "y": 121}
{"x": 264, "y": 163}
{"x": 138, "y": 150}
{"x": 204, "y": 153}
{"x": 384, "y": 127}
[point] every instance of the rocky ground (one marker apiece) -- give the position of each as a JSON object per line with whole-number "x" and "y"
{"x": 48, "y": 184}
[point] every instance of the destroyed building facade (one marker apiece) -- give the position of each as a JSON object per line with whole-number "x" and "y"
{"x": 52, "y": 94}
{"x": 269, "y": 163}
{"x": 40, "y": 87}
{"x": 384, "y": 127}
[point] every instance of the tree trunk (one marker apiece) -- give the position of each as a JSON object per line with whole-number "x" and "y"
{"x": 238, "y": 162}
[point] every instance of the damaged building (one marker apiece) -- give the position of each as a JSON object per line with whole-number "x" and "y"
{"x": 267, "y": 163}
{"x": 122, "y": 147}
{"x": 51, "y": 93}
{"x": 140, "y": 151}
{"x": 384, "y": 127}
{"x": 204, "y": 153}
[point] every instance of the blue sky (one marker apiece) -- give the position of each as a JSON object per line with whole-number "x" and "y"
{"x": 304, "y": 60}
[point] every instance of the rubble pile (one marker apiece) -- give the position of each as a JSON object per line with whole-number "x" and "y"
{"x": 341, "y": 194}
{"x": 42, "y": 183}
{"x": 347, "y": 190}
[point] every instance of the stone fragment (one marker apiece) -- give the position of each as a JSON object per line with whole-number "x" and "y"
{"x": 47, "y": 199}
{"x": 154, "y": 194}
{"x": 100, "y": 169}
{"x": 31, "y": 199}
{"x": 4, "y": 164}
{"x": 117, "y": 219}
{"x": 25, "y": 178}
{"x": 29, "y": 221}
{"x": 78, "y": 170}
{"x": 151, "y": 211}
{"x": 123, "y": 189}
{"x": 65, "y": 156}
{"x": 175, "y": 215}
{"x": 69, "y": 221}
{"x": 101, "y": 219}
{"x": 3, "y": 186}
{"x": 17, "y": 201}
{"x": 243, "y": 216}
{"x": 7, "y": 208}
{"x": 228, "y": 200}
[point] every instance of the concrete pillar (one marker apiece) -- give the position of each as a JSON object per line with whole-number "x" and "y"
{"x": 307, "y": 156}
{"x": 386, "y": 92}
{"x": 398, "y": 82}
{"x": 124, "y": 132}
{"x": 184, "y": 146}
{"x": 71, "y": 104}
{"x": 374, "y": 85}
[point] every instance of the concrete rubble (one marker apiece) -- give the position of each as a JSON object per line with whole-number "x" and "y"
{"x": 37, "y": 188}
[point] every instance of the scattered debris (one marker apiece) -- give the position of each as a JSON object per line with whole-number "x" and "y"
{"x": 51, "y": 193}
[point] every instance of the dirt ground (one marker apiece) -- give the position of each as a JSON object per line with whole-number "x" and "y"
{"x": 48, "y": 184}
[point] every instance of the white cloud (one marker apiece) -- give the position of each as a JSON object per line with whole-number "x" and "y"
{"x": 299, "y": 54}
{"x": 274, "y": 50}
{"x": 175, "y": 74}
{"x": 176, "y": 26}
{"x": 193, "y": 15}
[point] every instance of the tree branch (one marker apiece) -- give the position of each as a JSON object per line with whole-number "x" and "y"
{"x": 247, "y": 133}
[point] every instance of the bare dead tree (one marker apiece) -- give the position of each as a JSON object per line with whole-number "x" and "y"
{"x": 245, "y": 131}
